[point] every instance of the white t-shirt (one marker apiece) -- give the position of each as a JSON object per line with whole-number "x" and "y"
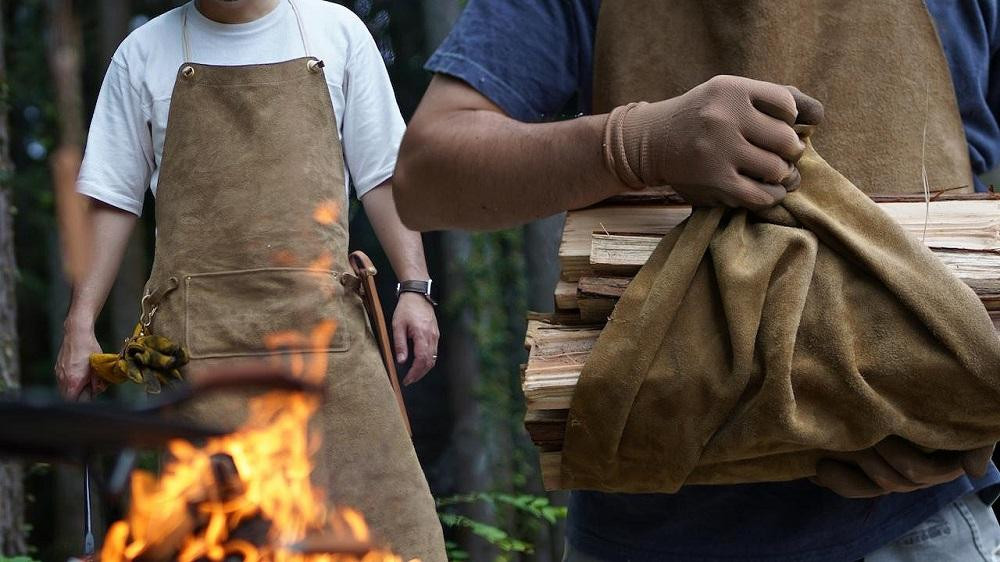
{"x": 125, "y": 143}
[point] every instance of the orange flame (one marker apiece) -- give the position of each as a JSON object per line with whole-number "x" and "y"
{"x": 188, "y": 514}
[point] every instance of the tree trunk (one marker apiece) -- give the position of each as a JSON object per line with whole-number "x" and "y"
{"x": 65, "y": 55}
{"x": 13, "y": 534}
{"x": 459, "y": 349}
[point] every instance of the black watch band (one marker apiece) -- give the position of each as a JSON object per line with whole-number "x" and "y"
{"x": 419, "y": 287}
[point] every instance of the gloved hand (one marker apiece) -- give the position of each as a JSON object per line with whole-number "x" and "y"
{"x": 896, "y": 465}
{"x": 728, "y": 141}
{"x": 147, "y": 359}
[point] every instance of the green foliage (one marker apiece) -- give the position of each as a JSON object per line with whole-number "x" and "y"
{"x": 17, "y": 559}
{"x": 494, "y": 535}
{"x": 537, "y": 507}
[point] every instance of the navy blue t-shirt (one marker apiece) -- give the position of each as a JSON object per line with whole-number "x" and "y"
{"x": 534, "y": 60}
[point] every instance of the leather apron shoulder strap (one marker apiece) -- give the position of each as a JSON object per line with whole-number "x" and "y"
{"x": 878, "y": 67}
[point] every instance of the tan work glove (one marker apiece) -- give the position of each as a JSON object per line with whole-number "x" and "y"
{"x": 146, "y": 359}
{"x": 728, "y": 141}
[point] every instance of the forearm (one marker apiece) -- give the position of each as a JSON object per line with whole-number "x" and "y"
{"x": 403, "y": 246}
{"x": 473, "y": 167}
{"x": 111, "y": 229}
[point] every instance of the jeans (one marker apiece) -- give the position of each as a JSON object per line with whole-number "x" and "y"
{"x": 964, "y": 531}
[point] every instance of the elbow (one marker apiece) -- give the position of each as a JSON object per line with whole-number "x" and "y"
{"x": 412, "y": 188}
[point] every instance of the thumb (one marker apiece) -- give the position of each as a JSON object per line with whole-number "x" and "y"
{"x": 399, "y": 331}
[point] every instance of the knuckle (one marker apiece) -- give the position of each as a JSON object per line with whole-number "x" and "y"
{"x": 703, "y": 147}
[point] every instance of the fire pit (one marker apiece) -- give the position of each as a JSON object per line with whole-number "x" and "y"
{"x": 222, "y": 495}
{"x": 245, "y": 496}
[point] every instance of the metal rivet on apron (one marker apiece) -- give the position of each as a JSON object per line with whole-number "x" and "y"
{"x": 315, "y": 65}
{"x": 188, "y": 71}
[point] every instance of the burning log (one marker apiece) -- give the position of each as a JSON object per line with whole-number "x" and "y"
{"x": 245, "y": 496}
{"x": 604, "y": 246}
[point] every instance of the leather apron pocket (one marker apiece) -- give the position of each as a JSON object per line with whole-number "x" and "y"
{"x": 264, "y": 311}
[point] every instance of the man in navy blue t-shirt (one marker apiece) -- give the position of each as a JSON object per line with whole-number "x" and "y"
{"x": 507, "y": 66}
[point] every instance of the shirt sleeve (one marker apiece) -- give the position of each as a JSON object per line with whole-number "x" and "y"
{"x": 529, "y": 58}
{"x": 372, "y": 127}
{"x": 118, "y": 161}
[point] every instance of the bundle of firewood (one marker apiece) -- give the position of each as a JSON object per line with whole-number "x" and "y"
{"x": 604, "y": 246}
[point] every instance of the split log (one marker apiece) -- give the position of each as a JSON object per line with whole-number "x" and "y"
{"x": 622, "y": 255}
{"x": 969, "y": 223}
{"x": 557, "y": 358}
{"x": 565, "y": 295}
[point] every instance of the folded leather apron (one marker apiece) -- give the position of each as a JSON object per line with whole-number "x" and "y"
{"x": 707, "y": 388}
{"x": 251, "y": 262}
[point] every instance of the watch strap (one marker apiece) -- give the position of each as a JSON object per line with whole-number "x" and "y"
{"x": 419, "y": 287}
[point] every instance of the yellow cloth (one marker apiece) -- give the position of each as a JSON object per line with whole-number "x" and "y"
{"x": 146, "y": 359}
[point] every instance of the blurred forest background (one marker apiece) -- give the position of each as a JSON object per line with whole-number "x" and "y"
{"x": 466, "y": 414}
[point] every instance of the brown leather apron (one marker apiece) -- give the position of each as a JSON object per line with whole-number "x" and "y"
{"x": 877, "y": 67}
{"x": 251, "y": 258}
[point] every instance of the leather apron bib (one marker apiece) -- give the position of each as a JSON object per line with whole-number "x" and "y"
{"x": 877, "y": 67}
{"x": 251, "y": 262}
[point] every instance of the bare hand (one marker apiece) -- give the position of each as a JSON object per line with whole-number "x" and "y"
{"x": 896, "y": 465}
{"x": 73, "y": 364}
{"x": 414, "y": 321}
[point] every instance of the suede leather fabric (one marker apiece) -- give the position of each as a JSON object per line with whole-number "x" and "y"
{"x": 879, "y": 83}
{"x": 749, "y": 344}
{"x": 251, "y": 220}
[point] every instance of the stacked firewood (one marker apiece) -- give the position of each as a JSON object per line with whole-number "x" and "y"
{"x": 604, "y": 246}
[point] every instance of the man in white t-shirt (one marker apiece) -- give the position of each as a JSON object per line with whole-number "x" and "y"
{"x": 276, "y": 107}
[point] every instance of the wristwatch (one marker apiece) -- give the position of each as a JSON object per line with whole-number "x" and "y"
{"x": 419, "y": 287}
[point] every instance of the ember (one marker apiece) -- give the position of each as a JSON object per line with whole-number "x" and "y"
{"x": 246, "y": 496}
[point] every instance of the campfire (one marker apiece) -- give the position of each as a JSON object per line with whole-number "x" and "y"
{"x": 245, "y": 496}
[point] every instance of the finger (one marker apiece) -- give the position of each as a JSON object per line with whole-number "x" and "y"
{"x": 916, "y": 465}
{"x": 762, "y": 165}
{"x": 845, "y": 480}
{"x": 792, "y": 180}
{"x": 977, "y": 461}
{"x": 75, "y": 388}
{"x": 422, "y": 360}
{"x": 399, "y": 341}
{"x": 883, "y": 474}
{"x": 752, "y": 194}
{"x": 775, "y": 100}
{"x": 98, "y": 384}
{"x": 773, "y": 135}
{"x": 810, "y": 110}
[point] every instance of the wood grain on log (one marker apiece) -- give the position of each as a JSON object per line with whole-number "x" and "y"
{"x": 565, "y": 295}
{"x": 956, "y": 224}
